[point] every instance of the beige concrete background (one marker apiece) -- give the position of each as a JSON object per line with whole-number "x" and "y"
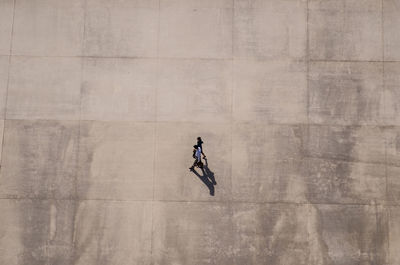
{"x": 297, "y": 102}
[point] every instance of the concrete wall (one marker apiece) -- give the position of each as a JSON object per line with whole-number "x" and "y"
{"x": 297, "y": 102}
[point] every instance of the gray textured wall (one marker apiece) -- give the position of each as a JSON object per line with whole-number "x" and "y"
{"x": 297, "y": 102}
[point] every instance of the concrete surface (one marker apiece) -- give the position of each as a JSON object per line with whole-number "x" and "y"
{"x": 297, "y": 102}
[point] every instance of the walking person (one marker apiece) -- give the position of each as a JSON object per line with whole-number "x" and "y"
{"x": 200, "y": 144}
{"x": 197, "y": 157}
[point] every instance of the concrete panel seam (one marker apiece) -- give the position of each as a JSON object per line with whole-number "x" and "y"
{"x": 196, "y": 58}
{"x": 381, "y": 126}
{"x": 8, "y": 83}
{"x": 386, "y": 204}
{"x": 155, "y": 136}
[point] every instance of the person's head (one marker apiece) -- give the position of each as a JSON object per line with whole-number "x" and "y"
{"x": 198, "y": 138}
{"x": 195, "y": 146}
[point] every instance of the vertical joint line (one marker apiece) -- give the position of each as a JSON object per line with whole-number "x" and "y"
{"x": 307, "y": 66}
{"x": 383, "y": 58}
{"x": 232, "y": 89}
{"x": 383, "y": 95}
{"x": 82, "y": 59}
{"x": 155, "y": 132}
{"x": 233, "y": 28}
{"x": 76, "y": 195}
{"x": 12, "y": 28}
{"x": 7, "y": 86}
{"x": 383, "y": 29}
{"x": 387, "y": 210}
{"x": 307, "y": 131}
{"x": 82, "y": 63}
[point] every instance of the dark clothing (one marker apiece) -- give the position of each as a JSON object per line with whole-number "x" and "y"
{"x": 194, "y": 153}
{"x": 200, "y": 144}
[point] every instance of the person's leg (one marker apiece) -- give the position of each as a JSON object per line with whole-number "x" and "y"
{"x": 198, "y": 160}
{"x": 194, "y": 164}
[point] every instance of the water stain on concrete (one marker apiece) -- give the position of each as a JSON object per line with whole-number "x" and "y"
{"x": 46, "y": 232}
{"x": 47, "y": 153}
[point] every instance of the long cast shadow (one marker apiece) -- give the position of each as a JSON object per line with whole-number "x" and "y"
{"x": 208, "y": 177}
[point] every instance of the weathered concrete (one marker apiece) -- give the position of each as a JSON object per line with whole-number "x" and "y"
{"x": 297, "y": 102}
{"x": 119, "y": 89}
{"x": 394, "y": 228}
{"x": 3, "y": 84}
{"x": 109, "y": 232}
{"x": 393, "y": 185}
{"x": 37, "y": 231}
{"x": 6, "y": 21}
{"x": 266, "y": 161}
{"x": 40, "y": 159}
{"x": 258, "y": 22}
{"x": 121, "y": 28}
{"x": 392, "y": 93}
{"x": 278, "y": 96}
{"x": 116, "y": 161}
{"x": 194, "y": 91}
{"x": 345, "y": 29}
{"x": 195, "y": 30}
{"x": 346, "y": 93}
{"x": 48, "y": 28}
{"x": 44, "y": 88}
{"x": 391, "y": 23}
{"x": 1, "y": 136}
{"x": 207, "y": 222}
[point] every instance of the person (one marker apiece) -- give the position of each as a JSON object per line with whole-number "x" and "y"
{"x": 200, "y": 144}
{"x": 197, "y": 157}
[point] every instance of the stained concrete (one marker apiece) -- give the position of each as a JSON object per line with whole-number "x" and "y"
{"x": 346, "y": 93}
{"x": 393, "y": 184}
{"x": 133, "y": 83}
{"x": 392, "y": 92}
{"x": 3, "y": 84}
{"x": 257, "y": 22}
{"x": 345, "y": 30}
{"x": 108, "y": 232}
{"x": 391, "y": 21}
{"x": 194, "y": 88}
{"x": 41, "y": 159}
{"x": 212, "y": 22}
{"x": 279, "y": 95}
{"x": 296, "y": 101}
{"x": 40, "y": 28}
{"x": 266, "y": 161}
{"x": 1, "y": 136}
{"x": 394, "y": 227}
{"x": 121, "y": 28}
{"x": 37, "y": 231}
{"x": 116, "y": 160}
{"x": 6, "y": 24}
{"x": 44, "y": 88}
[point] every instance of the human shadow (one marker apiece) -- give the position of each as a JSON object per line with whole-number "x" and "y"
{"x": 208, "y": 177}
